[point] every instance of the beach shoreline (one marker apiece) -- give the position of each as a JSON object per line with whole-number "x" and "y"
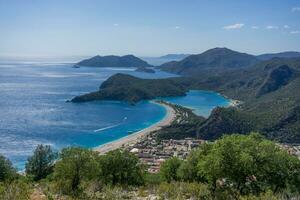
{"x": 134, "y": 137}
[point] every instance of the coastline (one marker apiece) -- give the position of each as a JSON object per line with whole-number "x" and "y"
{"x": 132, "y": 138}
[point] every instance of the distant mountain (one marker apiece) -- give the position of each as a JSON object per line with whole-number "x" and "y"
{"x": 175, "y": 56}
{"x": 286, "y": 54}
{"x": 156, "y": 61}
{"x": 113, "y": 61}
{"x": 145, "y": 69}
{"x": 217, "y": 59}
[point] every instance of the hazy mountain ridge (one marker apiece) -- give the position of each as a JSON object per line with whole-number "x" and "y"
{"x": 156, "y": 61}
{"x": 286, "y": 54}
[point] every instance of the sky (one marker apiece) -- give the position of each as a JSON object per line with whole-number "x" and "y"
{"x": 60, "y": 28}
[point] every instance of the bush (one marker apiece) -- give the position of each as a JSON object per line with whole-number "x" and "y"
{"x": 153, "y": 179}
{"x": 40, "y": 164}
{"x": 15, "y": 190}
{"x": 188, "y": 170}
{"x": 169, "y": 169}
{"x": 248, "y": 164}
{"x": 121, "y": 167}
{"x": 75, "y": 165}
{"x": 7, "y": 172}
{"x": 183, "y": 190}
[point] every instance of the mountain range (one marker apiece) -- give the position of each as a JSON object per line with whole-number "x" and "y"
{"x": 213, "y": 61}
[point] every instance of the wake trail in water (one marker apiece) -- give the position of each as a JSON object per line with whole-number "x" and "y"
{"x": 109, "y": 127}
{"x": 105, "y": 128}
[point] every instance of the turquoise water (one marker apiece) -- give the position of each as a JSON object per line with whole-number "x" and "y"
{"x": 200, "y": 101}
{"x": 34, "y": 109}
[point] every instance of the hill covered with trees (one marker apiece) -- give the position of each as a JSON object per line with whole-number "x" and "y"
{"x": 213, "y": 60}
{"x": 128, "y": 88}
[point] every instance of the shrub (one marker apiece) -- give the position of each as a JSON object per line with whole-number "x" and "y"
{"x": 183, "y": 190}
{"x": 40, "y": 164}
{"x": 121, "y": 167}
{"x": 249, "y": 164}
{"x": 7, "y": 172}
{"x": 75, "y": 165}
{"x": 15, "y": 190}
{"x": 169, "y": 169}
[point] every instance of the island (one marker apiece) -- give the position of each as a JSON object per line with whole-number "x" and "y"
{"x": 128, "y": 61}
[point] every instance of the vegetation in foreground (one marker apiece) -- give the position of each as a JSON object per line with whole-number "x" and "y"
{"x": 234, "y": 167}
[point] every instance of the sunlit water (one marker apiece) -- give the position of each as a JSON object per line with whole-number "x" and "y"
{"x": 34, "y": 109}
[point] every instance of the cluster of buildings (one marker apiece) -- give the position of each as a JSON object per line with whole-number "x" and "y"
{"x": 153, "y": 153}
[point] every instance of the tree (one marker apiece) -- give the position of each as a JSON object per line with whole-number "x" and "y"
{"x": 169, "y": 169}
{"x": 7, "y": 171}
{"x": 188, "y": 170}
{"x": 121, "y": 167}
{"x": 248, "y": 164}
{"x": 75, "y": 165}
{"x": 40, "y": 164}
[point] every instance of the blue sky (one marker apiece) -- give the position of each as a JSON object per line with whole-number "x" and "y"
{"x": 146, "y": 27}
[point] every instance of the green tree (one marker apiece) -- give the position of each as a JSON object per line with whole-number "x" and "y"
{"x": 188, "y": 170}
{"x": 40, "y": 164}
{"x": 7, "y": 172}
{"x": 121, "y": 167}
{"x": 248, "y": 164}
{"x": 75, "y": 166}
{"x": 169, "y": 169}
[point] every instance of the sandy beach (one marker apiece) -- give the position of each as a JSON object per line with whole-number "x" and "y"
{"x": 132, "y": 138}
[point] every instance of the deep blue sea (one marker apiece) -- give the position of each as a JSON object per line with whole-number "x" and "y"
{"x": 33, "y": 108}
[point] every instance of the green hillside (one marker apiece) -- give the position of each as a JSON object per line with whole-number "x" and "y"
{"x": 122, "y": 87}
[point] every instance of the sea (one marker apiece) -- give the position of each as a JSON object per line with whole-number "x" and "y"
{"x": 34, "y": 108}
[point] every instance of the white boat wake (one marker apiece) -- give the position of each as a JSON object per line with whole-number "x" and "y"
{"x": 105, "y": 128}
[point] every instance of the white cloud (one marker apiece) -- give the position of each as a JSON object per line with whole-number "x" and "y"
{"x": 177, "y": 27}
{"x": 234, "y": 26}
{"x": 286, "y": 26}
{"x": 254, "y": 27}
{"x": 296, "y": 9}
{"x": 295, "y": 32}
{"x": 116, "y": 24}
{"x": 271, "y": 27}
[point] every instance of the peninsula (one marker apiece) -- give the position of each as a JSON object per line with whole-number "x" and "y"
{"x": 123, "y": 87}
